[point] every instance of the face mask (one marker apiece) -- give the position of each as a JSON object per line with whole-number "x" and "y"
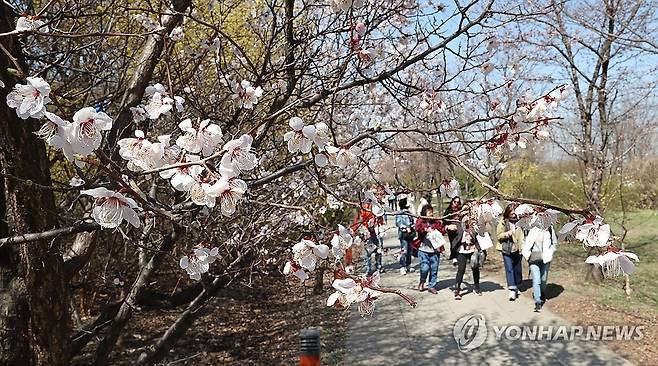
{"x": 514, "y": 220}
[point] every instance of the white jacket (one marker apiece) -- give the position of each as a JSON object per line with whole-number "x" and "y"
{"x": 546, "y": 238}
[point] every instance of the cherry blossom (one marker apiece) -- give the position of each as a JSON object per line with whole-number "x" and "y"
{"x": 375, "y": 206}
{"x": 449, "y": 188}
{"x": 321, "y": 135}
{"x": 200, "y": 197}
{"x": 432, "y": 105}
{"x": 76, "y": 181}
{"x": 182, "y": 178}
{"x": 301, "y": 138}
{"x": 487, "y": 212}
{"x": 55, "y": 132}
{"x": 85, "y": 131}
{"x": 30, "y": 99}
{"x": 203, "y": 140}
{"x": 112, "y": 208}
{"x": 245, "y": 95}
{"x": 27, "y": 23}
{"x": 198, "y": 262}
{"x": 227, "y": 191}
{"x": 139, "y": 113}
{"x": 140, "y": 153}
{"x": 162, "y": 104}
{"x": 350, "y": 291}
{"x": 307, "y": 253}
{"x": 360, "y": 29}
{"x": 292, "y": 267}
{"x": 614, "y": 262}
{"x": 238, "y": 156}
{"x": 591, "y": 231}
{"x": 343, "y": 158}
{"x": 341, "y": 241}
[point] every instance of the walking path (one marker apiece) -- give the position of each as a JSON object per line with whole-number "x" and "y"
{"x": 399, "y": 335}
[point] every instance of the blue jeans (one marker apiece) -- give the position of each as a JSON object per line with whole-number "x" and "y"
{"x": 513, "y": 270}
{"x": 405, "y": 253}
{"x": 429, "y": 264}
{"x": 378, "y": 256}
{"x": 539, "y": 272}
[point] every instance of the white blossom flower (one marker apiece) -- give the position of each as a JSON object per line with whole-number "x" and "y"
{"x": 238, "y": 156}
{"x": 245, "y": 95}
{"x": 31, "y": 23}
{"x": 594, "y": 233}
{"x": 76, "y": 181}
{"x": 162, "y": 104}
{"x": 449, "y": 188}
{"x": 432, "y": 105}
{"x": 228, "y": 191}
{"x": 112, "y": 208}
{"x": 615, "y": 263}
{"x": 375, "y": 206}
{"x": 360, "y": 29}
{"x": 139, "y": 113}
{"x": 487, "y": 212}
{"x": 200, "y": 197}
{"x": 301, "y": 138}
{"x": 295, "y": 269}
{"x": 2, "y": 84}
{"x": 321, "y": 160}
{"x": 198, "y": 262}
{"x": 30, "y": 100}
{"x": 321, "y": 135}
{"x": 55, "y": 133}
{"x": 203, "y": 140}
{"x": 140, "y": 153}
{"x": 350, "y": 291}
{"x": 307, "y": 253}
{"x": 341, "y": 241}
{"x": 344, "y": 157}
{"x": 182, "y": 178}
{"x": 85, "y": 131}
{"x": 487, "y": 67}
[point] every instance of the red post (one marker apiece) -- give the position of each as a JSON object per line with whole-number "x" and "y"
{"x": 309, "y": 342}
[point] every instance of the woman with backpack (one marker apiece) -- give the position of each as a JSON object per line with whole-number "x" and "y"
{"x": 406, "y": 233}
{"x": 510, "y": 239}
{"x": 538, "y": 250}
{"x": 429, "y": 236}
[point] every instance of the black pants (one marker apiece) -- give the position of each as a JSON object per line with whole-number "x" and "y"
{"x": 461, "y": 268}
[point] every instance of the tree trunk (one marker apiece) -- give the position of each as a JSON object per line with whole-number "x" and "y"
{"x": 594, "y": 274}
{"x": 35, "y": 329}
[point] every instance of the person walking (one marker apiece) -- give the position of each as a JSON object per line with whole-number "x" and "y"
{"x": 367, "y": 224}
{"x": 428, "y": 254}
{"x": 510, "y": 239}
{"x": 538, "y": 250}
{"x": 406, "y": 233}
{"x": 423, "y": 202}
{"x": 452, "y": 223}
{"x": 468, "y": 251}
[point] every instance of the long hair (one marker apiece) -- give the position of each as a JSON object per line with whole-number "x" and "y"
{"x": 423, "y": 211}
{"x": 509, "y": 210}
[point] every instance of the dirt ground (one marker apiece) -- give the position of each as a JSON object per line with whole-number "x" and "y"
{"x": 242, "y": 326}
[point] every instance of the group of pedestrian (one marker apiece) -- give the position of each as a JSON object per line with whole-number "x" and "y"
{"x": 423, "y": 237}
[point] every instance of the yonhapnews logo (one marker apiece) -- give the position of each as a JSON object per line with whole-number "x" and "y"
{"x": 470, "y": 331}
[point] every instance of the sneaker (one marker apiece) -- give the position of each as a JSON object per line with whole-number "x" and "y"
{"x": 477, "y": 291}
{"x": 537, "y": 307}
{"x": 411, "y": 269}
{"x": 458, "y": 295}
{"x": 432, "y": 290}
{"x": 512, "y": 295}
{"x": 403, "y": 271}
{"x": 454, "y": 262}
{"x": 421, "y": 287}
{"x": 382, "y": 270}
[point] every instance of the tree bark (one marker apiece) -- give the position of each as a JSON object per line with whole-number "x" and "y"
{"x": 35, "y": 329}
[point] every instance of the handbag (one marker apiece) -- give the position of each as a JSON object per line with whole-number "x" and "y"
{"x": 409, "y": 235}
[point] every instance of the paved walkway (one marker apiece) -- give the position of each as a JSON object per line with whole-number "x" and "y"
{"x": 399, "y": 335}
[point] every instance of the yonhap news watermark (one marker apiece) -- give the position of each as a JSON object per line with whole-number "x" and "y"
{"x": 471, "y": 331}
